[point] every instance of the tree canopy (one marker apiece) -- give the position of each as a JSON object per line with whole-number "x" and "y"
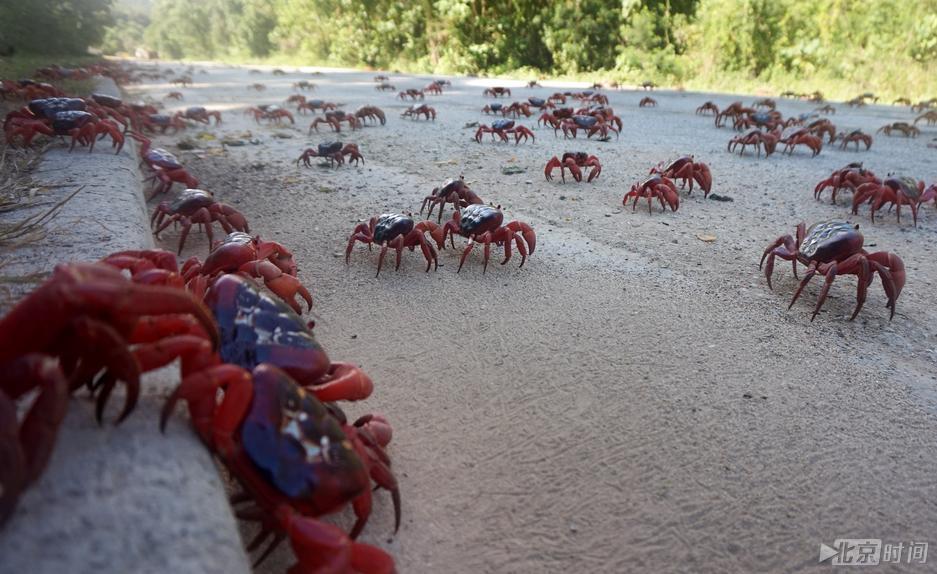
{"x": 889, "y": 45}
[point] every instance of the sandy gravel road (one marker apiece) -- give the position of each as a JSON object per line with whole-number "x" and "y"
{"x": 633, "y": 398}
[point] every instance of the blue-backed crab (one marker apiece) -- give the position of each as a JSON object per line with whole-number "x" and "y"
{"x": 502, "y": 128}
{"x": 454, "y": 191}
{"x": 335, "y": 152}
{"x": 294, "y": 457}
{"x": 396, "y": 231}
{"x": 196, "y": 206}
{"x": 833, "y": 248}
{"x": 482, "y": 224}
{"x": 590, "y": 124}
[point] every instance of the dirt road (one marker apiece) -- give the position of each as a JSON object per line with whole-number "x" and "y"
{"x": 634, "y": 398}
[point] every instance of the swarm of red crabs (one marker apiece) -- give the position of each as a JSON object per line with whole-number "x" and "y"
{"x": 832, "y": 248}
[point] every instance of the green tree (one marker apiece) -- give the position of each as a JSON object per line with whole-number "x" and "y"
{"x": 53, "y": 26}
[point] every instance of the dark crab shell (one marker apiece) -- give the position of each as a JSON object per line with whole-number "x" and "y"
{"x": 651, "y": 180}
{"x": 537, "y": 102}
{"x": 907, "y": 185}
{"x": 298, "y": 446}
{"x": 391, "y": 225}
{"x": 495, "y": 106}
{"x": 194, "y": 111}
{"x": 162, "y": 158}
{"x": 190, "y": 201}
{"x": 831, "y": 241}
{"x": 761, "y": 117}
{"x": 257, "y": 327}
{"x": 792, "y": 131}
{"x": 476, "y": 219}
{"x": 584, "y": 121}
{"x": 677, "y": 164}
{"x": 502, "y": 124}
{"x": 65, "y": 121}
{"x": 329, "y": 148}
{"x": 107, "y": 101}
{"x": 160, "y": 119}
{"x": 49, "y": 107}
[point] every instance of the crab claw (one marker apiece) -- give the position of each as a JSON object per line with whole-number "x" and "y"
{"x": 285, "y": 286}
{"x": 322, "y": 547}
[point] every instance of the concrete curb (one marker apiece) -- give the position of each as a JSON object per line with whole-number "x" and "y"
{"x": 126, "y": 498}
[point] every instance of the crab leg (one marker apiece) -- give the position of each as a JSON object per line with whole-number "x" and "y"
{"x": 830, "y": 270}
{"x": 782, "y": 247}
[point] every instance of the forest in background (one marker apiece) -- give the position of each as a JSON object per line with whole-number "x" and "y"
{"x": 838, "y": 46}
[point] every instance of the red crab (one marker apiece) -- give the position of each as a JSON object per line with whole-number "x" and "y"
{"x": 646, "y": 102}
{"x": 896, "y": 190}
{"x": 197, "y": 206}
{"x": 765, "y": 103}
{"x": 294, "y": 457}
{"x": 89, "y": 315}
{"x": 160, "y": 122}
{"x": 250, "y": 256}
{"x": 413, "y": 94}
{"x": 655, "y": 186}
{"x": 166, "y": 167}
{"x": 493, "y": 108}
{"x": 334, "y": 120}
{"x": 793, "y": 137}
{"x": 833, "y": 248}
{"x": 590, "y": 124}
{"x": 733, "y": 110}
{"x": 856, "y": 137}
{"x": 174, "y": 96}
{"x": 555, "y": 118}
{"x": 414, "y": 112}
{"x": 200, "y": 114}
{"x": 849, "y": 177}
{"x": 396, "y": 231}
{"x": 482, "y": 224}
{"x": 573, "y": 161}
{"x": 454, "y": 191}
{"x": 756, "y": 138}
{"x": 335, "y": 152}
{"x": 497, "y": 92}
{"x": 603, "y": 113}
{"x": 517, "y": 109}
{"x": 270, "y": 113}
{"x": 502, "y": 128}
{"x": 313, "y": 105}
{"x": 687, "y": 170}
{"x": 372, "y": 113}
{"x": 432, "y": 88}
{"x": 707, "y": 108}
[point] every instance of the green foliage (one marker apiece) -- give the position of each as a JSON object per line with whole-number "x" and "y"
{"x": 838, "y": 46}
{"x": 53, "y": 26}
